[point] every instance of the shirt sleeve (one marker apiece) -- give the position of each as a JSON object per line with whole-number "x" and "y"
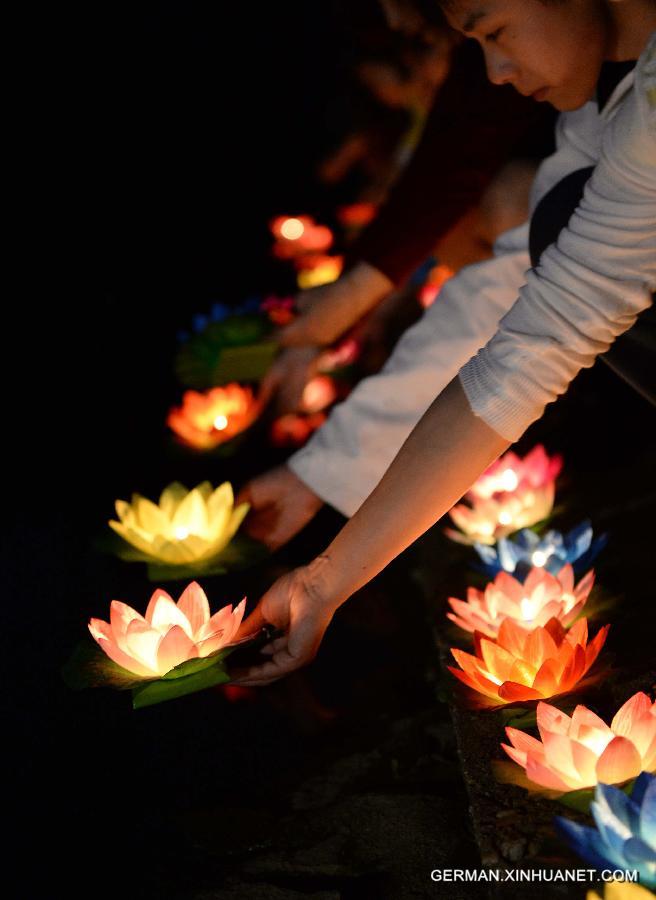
{"x": 590, "y": 286}
{"x": 473, "y": 128}
{"x": 346, "y": 458}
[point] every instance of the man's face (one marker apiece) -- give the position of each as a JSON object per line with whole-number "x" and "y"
{"x": 551, "y": 51}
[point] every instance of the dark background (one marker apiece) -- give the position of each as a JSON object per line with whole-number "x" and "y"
{"x": 167, "y": 135}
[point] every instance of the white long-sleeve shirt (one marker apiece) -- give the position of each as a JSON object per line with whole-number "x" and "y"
{"x": 532, "y": 332}
{"x": 590, "y": 286}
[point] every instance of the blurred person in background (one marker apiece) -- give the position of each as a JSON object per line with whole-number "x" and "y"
{"x": 472, "y": 131}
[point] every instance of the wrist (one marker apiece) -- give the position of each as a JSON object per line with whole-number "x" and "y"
{"x": 322, "y": 584}
{"x": 368, "y": 281}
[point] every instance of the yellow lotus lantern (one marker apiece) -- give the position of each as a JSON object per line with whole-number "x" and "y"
{"x": 184, "y": 527}
{"x": 318, "y": 270}
{"x": 524, "y": 665}
{"x": 488, "y": 520}
{"x": 540, "y": 598}
{"x": 621, "y": 890}
{"x": 579, "y": 752}
{"x": 512, "y": 493}
{"x": 206, "y": 420}
{"x": 168, "y": 634}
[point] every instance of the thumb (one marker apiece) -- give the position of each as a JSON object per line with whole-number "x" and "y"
{"x": 252, "y": 625}
{"x": 245, "y": 495}
{"x": 269, "y": 385}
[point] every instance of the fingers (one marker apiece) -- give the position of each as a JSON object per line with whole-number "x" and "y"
{"x": 280, "y": 665}
{"x": 269, "y": 385}
{"x": 274, "y": 646}
{"x": 245, "y": 495}
{"x": 252, "y": 625}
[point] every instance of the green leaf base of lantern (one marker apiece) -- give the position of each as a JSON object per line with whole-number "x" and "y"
{"x": 236, "y": 349}
{"x": 90, "y": 667}
{"x": 241, "y": 553}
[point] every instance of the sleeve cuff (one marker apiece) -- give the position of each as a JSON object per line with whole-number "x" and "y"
{"x": 508, "y": 415}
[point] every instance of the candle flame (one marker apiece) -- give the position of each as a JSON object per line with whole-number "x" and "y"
{"x": 292, "y": 229}
{"x": 509, "y": 480}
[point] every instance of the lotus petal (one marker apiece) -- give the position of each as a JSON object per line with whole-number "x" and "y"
{"x": 619, "y": 762}
{"x": 174, "y": 648}
{"x": 195, "y": 607}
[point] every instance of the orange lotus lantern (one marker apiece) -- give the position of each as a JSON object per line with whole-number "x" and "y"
{"x": 438, "y": 277}
{"x": 524, "y": 665}
{"x": 318, "y": 270}
{"x": 357, "y": 215}
{"x": 540, "y": 598}
{"x": 205, "y": 420}
{"x": 297, "y": 235}
{"x": 579, "y": 752}
{"x": 294, "y": 429}
{"x": 169, "y": 634}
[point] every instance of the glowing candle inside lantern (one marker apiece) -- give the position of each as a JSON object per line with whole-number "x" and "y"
{"x": 292, "y": 229}
{"x": 529, "y": 607}
{"x": 509, "y": 480}
{"x": 539, "y": 558}
{"x": 596, "y": 740}
{"x": 181, "y": 533}
{"x": 505, "y": 518}
{"x": 220, "y": 423}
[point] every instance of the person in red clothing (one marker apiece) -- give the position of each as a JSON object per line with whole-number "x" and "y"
{"x": 474, "y": 128}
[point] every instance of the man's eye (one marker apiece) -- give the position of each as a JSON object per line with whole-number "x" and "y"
{"x": 493, "y": 36}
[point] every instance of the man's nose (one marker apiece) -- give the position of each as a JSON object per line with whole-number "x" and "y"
{"x": 500, "y": 69}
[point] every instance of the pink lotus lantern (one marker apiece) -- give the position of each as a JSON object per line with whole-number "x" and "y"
{"x": 510, "y": 474}
{"x": 581, "y": 751}
{"x": 205, "y": 420}
{"x": 297, "y": 235}
{"x": 523, "y": 665}
{"x": 318, "y": 393}
{"x": 339, "y": 357}
{"x": 169, "y": 634}
{"x": 512, "y": 493}
{"x": 540, "y": 598}
{"x": 279, "y": 310}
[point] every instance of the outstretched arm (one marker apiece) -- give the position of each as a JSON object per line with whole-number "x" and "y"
{"x": 443, "y": 455}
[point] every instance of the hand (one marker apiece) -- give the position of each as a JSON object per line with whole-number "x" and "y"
{"x": 281, "y": 505}
{"x": 288, "y": 376}
{"x": 330, "y": 310}
{"x": 296, "y": 605}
